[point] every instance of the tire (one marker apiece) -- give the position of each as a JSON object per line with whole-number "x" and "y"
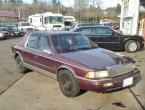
{"x": 12, "y": 34}
{"x": 20, "y": 66}
{"x": 132, "y": 46}
{"x": 68, "y": 84}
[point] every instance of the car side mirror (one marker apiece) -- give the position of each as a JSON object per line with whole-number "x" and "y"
{"x": 120, "y": 32}
{"x": 113, "y": 33}
{"x": 47, "y": 51}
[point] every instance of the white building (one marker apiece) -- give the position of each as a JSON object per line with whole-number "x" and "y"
{"x": 132, "y": 17}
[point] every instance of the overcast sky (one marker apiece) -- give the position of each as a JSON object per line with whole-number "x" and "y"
{"x": 106, "y": 3}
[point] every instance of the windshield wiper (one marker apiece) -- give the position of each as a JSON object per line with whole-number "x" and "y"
{"x": 67, "y": 50}
{"x": 85, "y": 48}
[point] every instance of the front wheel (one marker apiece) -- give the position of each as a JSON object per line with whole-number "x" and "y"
{"x": 68, "y": 84}
{"x": 132, "y": 46}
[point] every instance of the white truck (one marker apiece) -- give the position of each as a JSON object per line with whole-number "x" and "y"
{"x": 68, "y": 21}
{"x": 47, "y": 21}
{"x": 25, "y": 26}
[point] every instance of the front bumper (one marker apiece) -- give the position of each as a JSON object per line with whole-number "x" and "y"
{"x": 117, "y": 83}
{"x": 18, "y": 34}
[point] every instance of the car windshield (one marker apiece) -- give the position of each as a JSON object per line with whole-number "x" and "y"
{"x": 55, "y": 20}
{"x": 3, "y": 28}
{"x": 26, "y": 24}
{"x": 72, "y": 27}
{"x": 71, "y": 43}
{"x": 68, "y": 23}
{"x": 15, "y": 29}
{"x": 116, "y": 31}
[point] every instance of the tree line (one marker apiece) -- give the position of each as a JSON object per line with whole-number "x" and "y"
{"x": 82, "y": 10}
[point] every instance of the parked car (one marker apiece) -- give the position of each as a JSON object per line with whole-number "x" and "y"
{"x": 76, "y": 25}
{"x": 75, "y": 61}
{"x": 25, "y": 26}
{"x": 4, "y": 34}
{"x": 111, "y": 39}
{"x": 15, "y": 32}
{"x": 114, "y": 26}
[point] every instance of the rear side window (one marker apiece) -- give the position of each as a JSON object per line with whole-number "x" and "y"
{"x": 87, "y": 31}
{"x": 43, "y": 44}
{"x": 103, "y": 31}
{"x": 32, "y": 42}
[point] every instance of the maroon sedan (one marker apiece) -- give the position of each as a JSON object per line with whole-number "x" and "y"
{"x": 75, "y": 61}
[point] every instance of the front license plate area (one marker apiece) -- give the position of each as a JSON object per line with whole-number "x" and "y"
{"x": 127, "y": 82}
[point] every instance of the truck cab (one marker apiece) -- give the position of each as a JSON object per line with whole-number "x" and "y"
{"x": 25, "y": 26}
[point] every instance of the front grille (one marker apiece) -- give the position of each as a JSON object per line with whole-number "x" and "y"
{"x": 6, "y": 33}
{"x": 120, "y": 69}
{"x": 57, "y": 26}
{"x": 29, "y": 29}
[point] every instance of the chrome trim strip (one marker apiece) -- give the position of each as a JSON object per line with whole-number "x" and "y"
{"x": 92, "y": 80}
{"x": 52, "y": 75}
{"x": 27, "y": 39}
{"x": 69, "y": 68}
{"x": 20, "y": 56}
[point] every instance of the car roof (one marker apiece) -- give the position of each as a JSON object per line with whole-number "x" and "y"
{"x": 91, "y": 27}
{"x": 54, "y": 32}
{"x": 94, "y": 26}
{"x": 25, "y": 37}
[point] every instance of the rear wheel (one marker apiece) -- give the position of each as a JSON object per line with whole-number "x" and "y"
{"x": 132, "y": 46}
{"x": 68, "y": 84}
{"x": 20, "y": 66}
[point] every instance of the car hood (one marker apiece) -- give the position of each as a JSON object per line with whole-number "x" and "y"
{"x": 98, "y": 58}
{"x": 26, "y": 27}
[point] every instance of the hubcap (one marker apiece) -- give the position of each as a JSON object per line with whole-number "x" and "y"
{"x": 132, "y": 46}
{"x": 19, "y": 64}
{"x": 67, "y": 84}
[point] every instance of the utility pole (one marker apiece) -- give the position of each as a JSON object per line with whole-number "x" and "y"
{"x": 93, "y": 10}
{"x": 58, "y": 6}
{"x": 19, "y": 14}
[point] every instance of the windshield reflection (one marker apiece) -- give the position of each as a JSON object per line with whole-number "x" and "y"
{"x": 71, "y": 43}
{"x": 55, "y": 20}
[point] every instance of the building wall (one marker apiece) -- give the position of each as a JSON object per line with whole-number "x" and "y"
{"x": 129, "y": 17}
{"x": 6, "y": 16}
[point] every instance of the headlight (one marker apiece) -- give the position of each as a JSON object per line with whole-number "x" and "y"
{"x": 1, "y": 34}
{"x": 98, "y": 74}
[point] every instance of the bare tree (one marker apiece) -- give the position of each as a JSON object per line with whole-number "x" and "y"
{"x": 81, "y": 6}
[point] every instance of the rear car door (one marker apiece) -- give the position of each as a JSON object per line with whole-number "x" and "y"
{"x": 44, "y": 57}
{"x": 30, "y": 49}
{"x": 106, "y": 38}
